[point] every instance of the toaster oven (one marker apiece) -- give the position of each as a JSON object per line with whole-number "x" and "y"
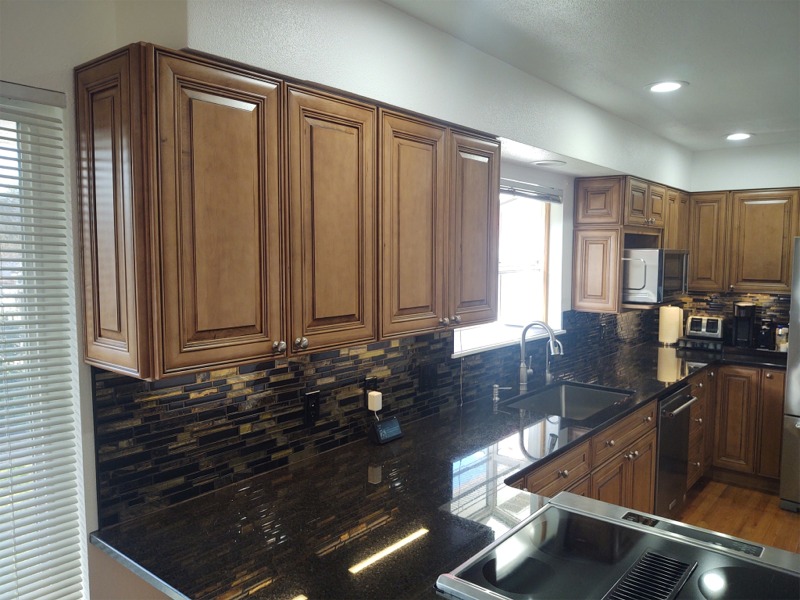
{"x": 704, "y": 327}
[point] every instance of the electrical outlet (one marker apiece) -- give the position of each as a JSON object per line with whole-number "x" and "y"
{"x": 311, "y": 412}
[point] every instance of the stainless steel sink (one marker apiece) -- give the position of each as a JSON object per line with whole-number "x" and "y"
{"x": 570, "y": 400}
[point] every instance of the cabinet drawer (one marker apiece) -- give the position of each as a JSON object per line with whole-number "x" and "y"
{"x": 611, "y": 441}
{"x": 697, "y": 412}
{"x": 561, "y": 473}
{"x": 695, "y": 462}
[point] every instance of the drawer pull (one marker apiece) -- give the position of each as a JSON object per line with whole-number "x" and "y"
{"x": 695, "y": 464}
{"x": 699, "y": 420}
{"x": 610, "y": 443}
{"x": 769, "y": 375}
{"x": 648, "y": 419}
{"x": 700, "y": 384}
{"x": 564, "y": 473}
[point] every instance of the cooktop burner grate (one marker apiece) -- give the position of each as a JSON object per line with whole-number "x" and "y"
{"x": 654, "y": 576}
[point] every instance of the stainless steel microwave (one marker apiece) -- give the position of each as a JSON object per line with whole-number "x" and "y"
{"x": 650, "y": 276}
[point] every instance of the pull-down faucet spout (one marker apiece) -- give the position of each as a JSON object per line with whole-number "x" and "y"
{"x": 554, "y": 348}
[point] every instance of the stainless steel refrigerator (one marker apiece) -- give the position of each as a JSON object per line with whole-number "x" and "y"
{"x": 790, "y": 451}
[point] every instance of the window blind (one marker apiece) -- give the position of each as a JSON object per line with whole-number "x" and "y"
{"x": 41, "y": 524}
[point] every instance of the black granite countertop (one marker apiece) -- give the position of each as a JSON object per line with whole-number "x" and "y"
{"x": 298, "y": 530}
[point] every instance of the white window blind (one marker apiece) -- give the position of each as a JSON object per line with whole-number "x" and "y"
{"x": 42, "y": 541}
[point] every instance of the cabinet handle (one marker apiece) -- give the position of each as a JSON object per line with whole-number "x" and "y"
{"x": 769, "y": 375}
{"x": 610, "y": 443}
{"x": 279, "y": 346}
{"x": 730, "y": 287}
{"x": 700, "y": 384}
{"x": 301, "y": 343}
{"x": 695, "y": 464}
{"x": 699, "y": 420}
{"x": 647, "y": 419}
{"x": 711, "y": 373}
{"x": 444, "y": 321}
{"x": 632, "y": 455}
{"x": 564, "y": 473}
{"x": 456, "y": 319}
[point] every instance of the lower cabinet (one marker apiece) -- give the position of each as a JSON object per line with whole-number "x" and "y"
{"x": 749, "y": 413}
{"x": 617, "y": 465}
{"x": 629, "y": 478}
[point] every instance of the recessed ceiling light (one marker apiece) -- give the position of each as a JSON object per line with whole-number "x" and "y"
{"x": 666, "y": 86}
{"x": 549, "y": 163}
{"x": 738, "y": 136}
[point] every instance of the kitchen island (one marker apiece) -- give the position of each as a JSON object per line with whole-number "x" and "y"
{"x": 301, "y": 530}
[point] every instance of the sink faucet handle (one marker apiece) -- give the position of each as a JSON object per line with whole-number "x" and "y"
{"x": 529, "y": 364}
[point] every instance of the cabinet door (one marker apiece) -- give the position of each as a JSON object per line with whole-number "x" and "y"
{"x": 737, "y": 413}
{"x": 640, "y": 488}
{"x": 332, "y": 201}
{"x": 636, "y": 202}
{"x": 113, "y": 234}
{"x": 413, "y": 225}
{"x": 656, "y": 205}
{"x": 596, "y": 273}
{"x": 219, "y": 214}
{"x": 770, "y": 422}
{"x": 474, "y": 226}
{"x": 707, "y": 251}
{"x": 671, "y": 220}
{"x": 609, "y": 481}
{"x": 598, "y": 201}
{"x": 683, "y": 222}
{"x": 762, "y": 226}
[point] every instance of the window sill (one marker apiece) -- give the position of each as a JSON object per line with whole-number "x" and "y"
{"x": 482, "y": 338}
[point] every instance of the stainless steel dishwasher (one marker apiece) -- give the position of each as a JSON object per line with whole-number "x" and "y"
{"x": 673, "y": 451}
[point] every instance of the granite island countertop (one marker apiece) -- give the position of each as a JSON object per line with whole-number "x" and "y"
{"x": 299, "y": 529}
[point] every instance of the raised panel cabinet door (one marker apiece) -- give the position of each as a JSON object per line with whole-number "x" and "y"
{"x": 332, "y": 220}
{"x": 770, "y": 422}
{"x": 737, "y": 414}
{"x": 656, "y": 205}
{"x": 219, "y": 214}
{"x": 642, "y": 465}
{"x": 114, "y": 240}
{"x": 413, "y": 225}
{"x": 610, "y": 482}
{"x": 707, "y": 239}
{"x": 636, "y": 202}
{"x": 596, "y": 272}
{"x": 671, "y": 220}
{"x": 474, "y": 228}
{"x": 683, "y": 222}
{"x": 598, "y": 201}
{"x": 762, "y": 226}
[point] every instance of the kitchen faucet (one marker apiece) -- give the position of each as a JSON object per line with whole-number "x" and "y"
{"x": 554, "y": 348}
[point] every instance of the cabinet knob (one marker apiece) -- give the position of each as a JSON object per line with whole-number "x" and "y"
{"x": 699, "y": 420}
{"x": 700, "y": 384}
{"x": 648, "y": 419}
{"x": 632, "y": 455}
{"x": 695, "y": 464}
{"x": 564, "y": 473}
{"x": 300, "y": 343}
{"x": 730, "y": 287}
{"x": 769, "y": 375}
{"x": 456, "y": 319}
{"x": 444, "y": 321}
{"x": 711, "y": 373}
{"x": 279, "y": 346}
{"x": 610, "y": 443}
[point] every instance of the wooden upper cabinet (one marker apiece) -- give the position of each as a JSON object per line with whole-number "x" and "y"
{"x": 414, "y": 223}
{"x": 707, "y": 241}
{"x": 762, "y": 225}
{"x": 596, "y": 273}
{"x": 645, "y": 203}
{"x": 332, "y": 219}
{"x": 219, "y": 217}
{"x": 474, "y": 228}
{"x": 676, "y": 220}
{"x": 114, "y": 231}
{"x": 598, "y": 201}
{"x": 180, "y": 223}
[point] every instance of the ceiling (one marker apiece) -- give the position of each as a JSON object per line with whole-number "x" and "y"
{"x": 740, "y": 57}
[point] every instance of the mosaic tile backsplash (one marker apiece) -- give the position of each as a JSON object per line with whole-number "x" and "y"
{"x": 162, "y": 442}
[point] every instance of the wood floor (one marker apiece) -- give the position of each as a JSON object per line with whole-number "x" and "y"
{"x": 744, "y": 513}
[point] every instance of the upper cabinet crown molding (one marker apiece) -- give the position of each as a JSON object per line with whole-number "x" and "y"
{"x": 229, "y": 216}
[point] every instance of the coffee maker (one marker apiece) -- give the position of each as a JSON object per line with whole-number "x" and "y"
{"x": 744, "y": 331}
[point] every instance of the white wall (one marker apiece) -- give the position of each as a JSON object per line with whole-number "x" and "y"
{"x": 372, "y": 49}
{"x": 746, "y": 167}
